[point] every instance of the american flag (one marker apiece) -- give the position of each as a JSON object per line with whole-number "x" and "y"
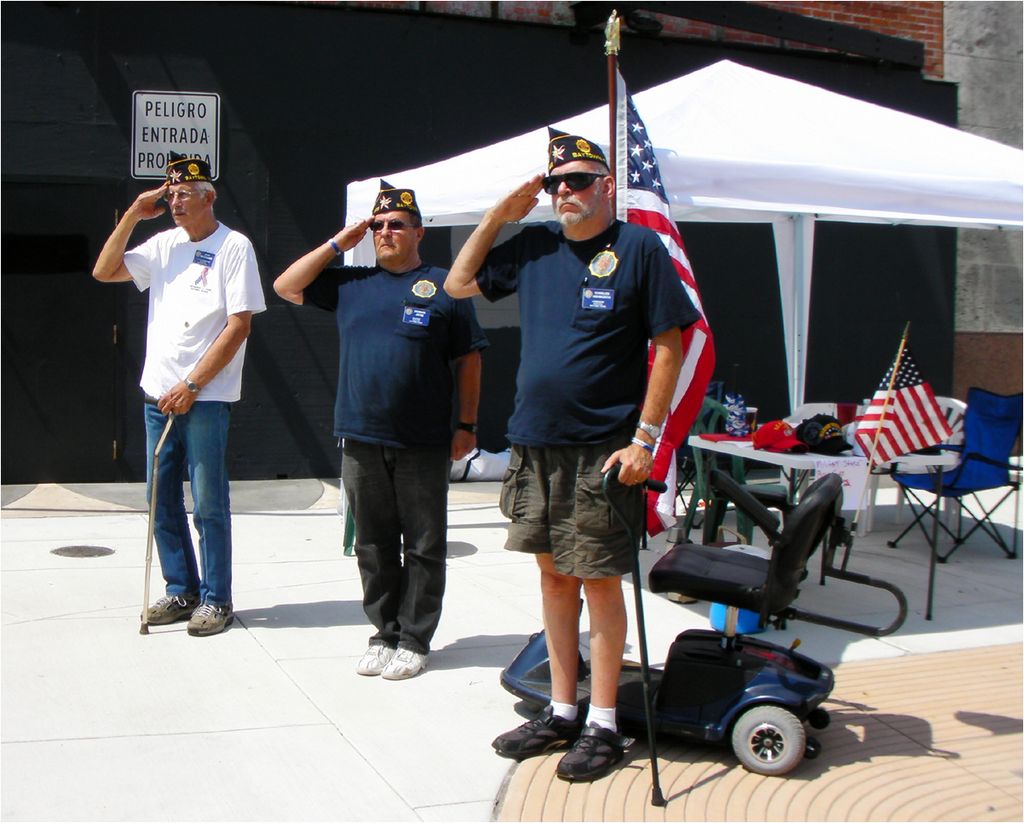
{"x": 646, "y": 204}
{"x": 906, "y": 420}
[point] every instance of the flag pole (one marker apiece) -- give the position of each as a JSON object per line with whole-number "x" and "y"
{"x": 881, "y": 421}
{"x": 611, "y": 49}
{"x": 612, "y": 41}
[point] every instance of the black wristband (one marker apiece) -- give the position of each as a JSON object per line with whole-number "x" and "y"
{"x": 467, "y": 427}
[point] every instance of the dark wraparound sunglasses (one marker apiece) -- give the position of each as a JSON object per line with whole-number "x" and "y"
{"x": 394, "y": 225}
{"x": 575, "y": 180}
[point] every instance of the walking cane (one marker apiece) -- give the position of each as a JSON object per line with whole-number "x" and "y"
{"x": 657, "y": 798}
{"x": 144, "y": 628}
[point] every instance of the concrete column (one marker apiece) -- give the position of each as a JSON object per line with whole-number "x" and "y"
{"x": 982, "y": 52}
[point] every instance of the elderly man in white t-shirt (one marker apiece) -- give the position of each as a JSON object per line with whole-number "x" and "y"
{"x": 204, "y": 286}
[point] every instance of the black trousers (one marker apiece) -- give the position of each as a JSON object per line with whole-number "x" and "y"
{"x": 399, "y": 500}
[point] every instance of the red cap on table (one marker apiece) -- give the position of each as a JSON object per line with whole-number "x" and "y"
{"x": 778, "y": 436}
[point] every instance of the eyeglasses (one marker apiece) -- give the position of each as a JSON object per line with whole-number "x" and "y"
{"x": 185, "y": 194}
{"x": 575, "y": 180}
{"x": 394, "y": 225}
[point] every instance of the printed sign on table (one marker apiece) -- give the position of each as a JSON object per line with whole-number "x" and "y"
{"x": 854, "y": 474}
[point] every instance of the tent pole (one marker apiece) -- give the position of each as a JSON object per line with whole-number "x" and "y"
{"x": 803, "y": 267}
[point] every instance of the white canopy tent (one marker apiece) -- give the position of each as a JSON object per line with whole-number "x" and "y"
{"x": 735, "y": 144}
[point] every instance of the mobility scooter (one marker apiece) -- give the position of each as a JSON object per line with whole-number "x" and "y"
{"x": 722, "y": 687}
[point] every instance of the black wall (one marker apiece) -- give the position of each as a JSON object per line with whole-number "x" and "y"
{"x": 313, "y": 97}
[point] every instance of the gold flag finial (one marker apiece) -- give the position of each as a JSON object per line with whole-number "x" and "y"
{"x": 611, "y": 34}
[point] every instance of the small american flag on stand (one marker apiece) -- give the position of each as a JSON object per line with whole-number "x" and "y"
{"x": 902, "y": 420}
{"x": 647, "y": 205}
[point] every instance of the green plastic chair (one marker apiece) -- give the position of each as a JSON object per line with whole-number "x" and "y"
{"x": 348, "y": 540}
{"x": 711, "y": 420}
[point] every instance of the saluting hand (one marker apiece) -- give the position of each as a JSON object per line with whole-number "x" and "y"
{"x": 349, "y": 237}
{"x": 150, "y": 204}
{"x": 519, "y": 202}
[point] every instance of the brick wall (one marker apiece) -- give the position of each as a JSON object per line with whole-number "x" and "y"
{"x": 920, "y": 21}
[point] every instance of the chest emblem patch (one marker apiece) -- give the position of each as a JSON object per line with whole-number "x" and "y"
{"x": 604, "y": 263}
{"x": 424, "y": 289}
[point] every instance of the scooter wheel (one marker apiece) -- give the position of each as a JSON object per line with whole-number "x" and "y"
{"x": 812, "y": 749}
{"x": 769, "y": 740}
{"x": 819, "y": 719}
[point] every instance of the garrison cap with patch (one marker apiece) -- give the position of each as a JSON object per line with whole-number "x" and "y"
{"x": 183, "y": 169}
{"x": 565, "y": 148}
{"x": 823, "y": 434}
{"x": 390, "y": 198}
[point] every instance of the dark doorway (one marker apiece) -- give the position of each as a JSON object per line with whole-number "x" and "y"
{"x": 61, "y": 383}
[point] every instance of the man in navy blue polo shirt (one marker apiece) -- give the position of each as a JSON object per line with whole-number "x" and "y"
{"x": 400, "y": 334}
{"x": 593, "y": 291}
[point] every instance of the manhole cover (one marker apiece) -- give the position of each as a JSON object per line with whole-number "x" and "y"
{"x": 82, "y": 551}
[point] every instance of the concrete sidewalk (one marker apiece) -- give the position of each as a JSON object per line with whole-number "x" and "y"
{"x": 269, "y": 721}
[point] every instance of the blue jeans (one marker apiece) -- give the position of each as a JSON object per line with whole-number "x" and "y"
{"x": 197, "y": 441}
{"x": 399, "y": 500}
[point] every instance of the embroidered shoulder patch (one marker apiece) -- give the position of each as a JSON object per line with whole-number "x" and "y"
{"x": 424, "y": 289}
{"x": 604, "y": 263}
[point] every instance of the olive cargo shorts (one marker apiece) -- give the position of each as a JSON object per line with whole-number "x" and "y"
{"x": 554, "y": 498}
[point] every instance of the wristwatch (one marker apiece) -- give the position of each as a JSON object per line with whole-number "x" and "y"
{"x": 649, "y": 429}
{"x": 467, "y": 427}
{"x": 191, "y": 386}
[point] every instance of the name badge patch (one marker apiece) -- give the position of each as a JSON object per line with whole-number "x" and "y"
{"x": 599, "y": 299}
{"x": 204, "y": 258}
{"x": 415, "y": 316}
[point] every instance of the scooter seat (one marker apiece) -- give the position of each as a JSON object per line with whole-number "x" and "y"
{"x": 709, "y": 573}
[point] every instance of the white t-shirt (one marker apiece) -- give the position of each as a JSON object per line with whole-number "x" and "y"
{"x": 193, "y": 287}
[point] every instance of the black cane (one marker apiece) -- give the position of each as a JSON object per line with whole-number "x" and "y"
{"x": 657, "y": 798}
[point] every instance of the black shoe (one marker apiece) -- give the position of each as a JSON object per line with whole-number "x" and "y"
{"x": 538, "y": 736}
{"x": 594, "y": 754}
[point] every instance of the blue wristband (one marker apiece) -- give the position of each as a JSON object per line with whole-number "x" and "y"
{"x": 636, "y": 441}
{"x": 334, "y": 246}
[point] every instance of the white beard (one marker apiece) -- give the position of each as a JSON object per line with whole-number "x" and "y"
{"x": 573, "y": 218}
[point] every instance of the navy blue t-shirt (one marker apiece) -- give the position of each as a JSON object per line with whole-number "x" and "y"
{"x": 587, "y": 311}
{"x": 398, "y": 335}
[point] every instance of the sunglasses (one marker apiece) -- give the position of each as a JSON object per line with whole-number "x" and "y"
{"x": 576, "y": 181}
{"x": 394, "y": 225}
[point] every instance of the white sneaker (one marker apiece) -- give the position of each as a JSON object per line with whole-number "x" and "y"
{"x": 375, "y": 659}
{"x": 405, "y": 664}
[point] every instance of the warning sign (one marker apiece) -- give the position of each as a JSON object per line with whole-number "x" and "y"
{"x": 185, "y": 122}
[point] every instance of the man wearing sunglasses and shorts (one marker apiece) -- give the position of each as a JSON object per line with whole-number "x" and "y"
{"x": 400, "y": 336}
{"x": 593, "y": 291}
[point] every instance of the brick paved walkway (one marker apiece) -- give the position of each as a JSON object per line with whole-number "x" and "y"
{"x": 922, "y": 737}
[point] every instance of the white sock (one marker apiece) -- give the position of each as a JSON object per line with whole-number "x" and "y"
{"x": 567, "y": 711}
{"x": 605, "y": 718}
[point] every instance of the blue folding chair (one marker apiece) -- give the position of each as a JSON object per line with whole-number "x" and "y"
{"x": 992, "y": 426}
